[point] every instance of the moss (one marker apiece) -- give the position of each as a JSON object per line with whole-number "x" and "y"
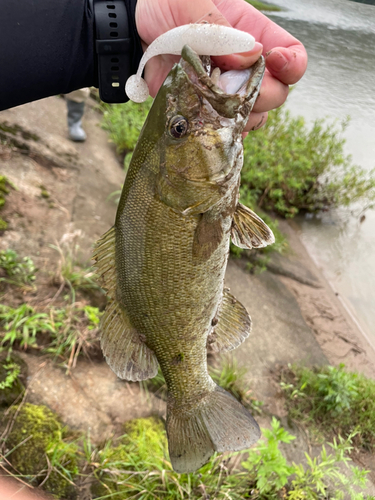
{"x": 149, "y": 429}
{"x": 15, "y": 129}
{"x": 30, "y": 457}
{"x": 4, "y": 190}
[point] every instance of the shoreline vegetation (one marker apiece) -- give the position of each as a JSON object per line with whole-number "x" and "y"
{"x": 262, "y": 6}
{"x": 54, "y": 318}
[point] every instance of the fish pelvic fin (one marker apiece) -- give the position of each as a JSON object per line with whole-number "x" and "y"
{"x": 250, "y": 231}
{"x": 218, "y": 423}
{"x": 105, "y": 261}
{"x": 125, "y": 352}
{"x": 231, "y": 325}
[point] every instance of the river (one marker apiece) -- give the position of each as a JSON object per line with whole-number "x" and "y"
{"x": 339, "y": 36}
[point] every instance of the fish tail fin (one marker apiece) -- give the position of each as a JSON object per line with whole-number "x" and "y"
{"x": 217, "y": 423}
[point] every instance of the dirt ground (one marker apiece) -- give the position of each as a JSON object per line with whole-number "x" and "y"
{"x": 296, "y": 315}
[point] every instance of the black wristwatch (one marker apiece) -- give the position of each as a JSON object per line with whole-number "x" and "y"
{"x": 117, "y": 48}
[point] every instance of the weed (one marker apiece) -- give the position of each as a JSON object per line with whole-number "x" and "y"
{"x": 12, "y": 371}
{"x": 136, "y": 465}
{"x": 334, "y": 400}
{"x": 19, "y": 271}
{"x": 320, "y": 478}
{"x": 69, "y": 271}
{"x": 21, "y": 325}
{"x": 289, "y": 168}
{"x": 11, "y": 386}
{"x": 266, "y": 464}
{"x": 64, "y": 333}
{"x": 124, "y": 123}
{"x": 75, "y": 331}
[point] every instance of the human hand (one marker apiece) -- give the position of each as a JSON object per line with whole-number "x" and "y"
{"x": 286, "y": 58}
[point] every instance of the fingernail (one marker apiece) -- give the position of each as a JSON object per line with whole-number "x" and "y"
{"x": 257, "y": 47}
{"x": 276, "y": 61}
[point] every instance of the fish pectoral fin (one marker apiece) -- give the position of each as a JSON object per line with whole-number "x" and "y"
{"x": 233, "y": 325}
{"x": 250, "y": 231}
{"x": 207, "y": 237}
{"x": 125, "y": 352}
{"x": 218, "y": 422}
{"x": 105, "y": 264}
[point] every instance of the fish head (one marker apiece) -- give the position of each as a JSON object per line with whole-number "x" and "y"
{"x": 204, "y": 117}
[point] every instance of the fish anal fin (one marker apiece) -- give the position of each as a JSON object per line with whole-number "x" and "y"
{"x": 231, "y": 325}
{"x": 125, "y": 352}
{"x": 105, "y": 261}
{"x": 207, "y": 237}
{"x": 218, "y": 422}
{"x": 250, "y": 231}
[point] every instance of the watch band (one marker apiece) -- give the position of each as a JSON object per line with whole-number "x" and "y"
{"x": 113, "y": 46}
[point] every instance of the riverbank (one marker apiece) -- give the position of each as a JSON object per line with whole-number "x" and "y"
{"x": 295, "y": 317}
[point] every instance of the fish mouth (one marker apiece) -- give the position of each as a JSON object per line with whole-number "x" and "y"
{"x": 230, "y": 93}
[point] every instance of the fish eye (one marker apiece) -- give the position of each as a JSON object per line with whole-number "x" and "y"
{"x": 178, "y": 126}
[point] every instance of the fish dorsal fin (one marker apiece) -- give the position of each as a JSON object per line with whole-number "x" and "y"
{"x": 231, "y": 325}
{"x": 125, "y": 351}
{"x": 248, "y": 230}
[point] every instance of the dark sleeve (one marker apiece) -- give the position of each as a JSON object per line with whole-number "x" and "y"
{"x": 47, "y": 48}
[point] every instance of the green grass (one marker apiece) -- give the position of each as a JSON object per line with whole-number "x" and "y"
{"x": 124, "y": 123}
{"x": 19, "y": 271}
{"x": 136, "y": 465}
{"x": 333, "y": 400}
{"x": 70, "y": 273}
{"x": 63, "y": 332}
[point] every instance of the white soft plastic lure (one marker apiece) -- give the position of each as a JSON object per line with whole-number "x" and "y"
{"x": 205, "y": 39}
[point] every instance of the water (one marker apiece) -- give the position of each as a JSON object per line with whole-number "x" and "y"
{"x": 339, "y": 36}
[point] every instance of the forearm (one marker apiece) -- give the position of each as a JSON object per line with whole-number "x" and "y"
{"x": 48, "y": 48}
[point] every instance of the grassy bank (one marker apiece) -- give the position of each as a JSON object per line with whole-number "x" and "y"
{"x": 37, "y": 448}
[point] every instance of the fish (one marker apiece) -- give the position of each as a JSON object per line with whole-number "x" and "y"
{"x": 163, "y": 262}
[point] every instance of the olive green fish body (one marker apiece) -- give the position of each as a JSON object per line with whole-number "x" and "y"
{"x": 163, "y": 262}
{"x": 170, "y": 295}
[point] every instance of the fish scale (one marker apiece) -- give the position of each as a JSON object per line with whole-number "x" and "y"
{"x": 169, "y": 248}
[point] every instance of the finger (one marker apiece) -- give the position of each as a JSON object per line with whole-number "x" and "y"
{"x": 287, "y": 64}
{"x": 239, "y": 61}
{"x": 243, "y": 16}
{"x": 273, "y": 94}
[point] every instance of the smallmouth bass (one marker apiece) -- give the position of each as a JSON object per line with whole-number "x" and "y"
{"x": 163, "y": 262}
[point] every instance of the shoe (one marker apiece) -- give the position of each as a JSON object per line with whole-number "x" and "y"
{"x": 75, "y": 114}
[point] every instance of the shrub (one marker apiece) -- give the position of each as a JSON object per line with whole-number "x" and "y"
{"x": 335, "y": 400}
{"x": 290, "y": 168}
{"x": 124, "y": 123}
